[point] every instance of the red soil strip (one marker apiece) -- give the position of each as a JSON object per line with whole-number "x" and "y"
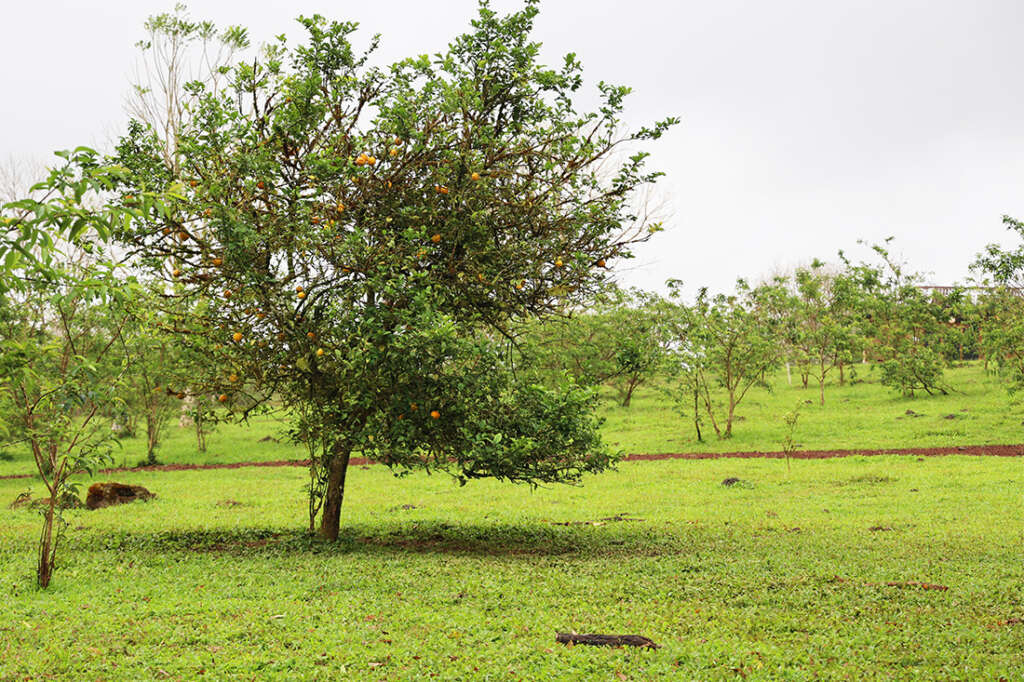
{"x": 975, "y": 450}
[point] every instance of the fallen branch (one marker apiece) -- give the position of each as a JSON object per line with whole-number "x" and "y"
{"x": 571, "y": 638}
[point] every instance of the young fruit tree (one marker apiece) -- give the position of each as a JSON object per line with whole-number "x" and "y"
{"x": 364, "y": 243}
{"x": 614, "y": 343}
{"x": 718, "y": 349}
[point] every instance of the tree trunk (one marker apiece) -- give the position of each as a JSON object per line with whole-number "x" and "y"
{"x": 728, "y": 421}
{"x": 842, "y": 375}
{"x": 46, "y": 553}
{"x": 330, "y": 522}
{"x": 630, "y": 387}
{"x": 152, "y": 437}
{"x": 696, "y": 416}
{"x": 821, "y": 390}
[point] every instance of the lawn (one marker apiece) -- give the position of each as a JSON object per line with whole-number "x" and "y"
{"x": 782, "y": 575}
{"x": 976, "y": 411}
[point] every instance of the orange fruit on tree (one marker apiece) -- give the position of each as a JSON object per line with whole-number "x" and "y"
{"x": 176, "y": 272}
{"x": 436, "y": 238}
{"x": 218, "y": 262}
{"x": 299, "y": 288}
{"x": 600, "y": 263}
{"x": 371, "y": 160}
{"x": 182, "y": 236}
{"x": 166, "y": 230}
{"x": 301, "y": 295}
{"x": 180, "y": 396}
{"x": 233, "y": 378}
{"x": 223, "y": 397}
{"x": 519, "y": 285}
{"x": 237, "y": 336}
{"x": 393, "y": 152}
{"x": 260, "y": 184}
{"x": 434, "y": 414}
{"x": 341, "y": 207}
{"x": 227, "y": 293}
{"x": 475, "y": 176}
{"x": 558, "y": 263}
{"x": 319, "y": 352}
{"x": 310, "y": 335}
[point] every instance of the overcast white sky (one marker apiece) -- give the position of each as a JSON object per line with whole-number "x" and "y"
{"x": 807, "y": 124}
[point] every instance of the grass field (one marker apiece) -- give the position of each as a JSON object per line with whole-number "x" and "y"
{"x": 216, "y": 577}
{"x": 864, "y": 415}
{"x": 808, "y": 573}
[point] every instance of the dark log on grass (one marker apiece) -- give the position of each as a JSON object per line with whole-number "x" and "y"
{"x": 605, "y": 640}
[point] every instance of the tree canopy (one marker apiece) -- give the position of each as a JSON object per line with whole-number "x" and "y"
{"x": 363, "y": 243}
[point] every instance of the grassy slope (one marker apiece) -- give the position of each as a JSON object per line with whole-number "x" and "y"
{"x": 862, "y": 415}
{"x": 474, "y": 582}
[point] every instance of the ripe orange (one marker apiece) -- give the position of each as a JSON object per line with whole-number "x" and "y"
{"x": 441, "y": 189}
{"x": 519, "y": 286}
{"x": 261, "y": 315}
{"x": 434, "y": 414}
{"x": 208, "y": 212}
{"x": 310, "y": 335}
{"x": 393, "y": 152}
{"x": 319, "y": 352}
{"x": 398, "y": 141}
{"x": 316, "y": 220}
{"x": 218, "y": 262}
{"x": 233, "y": 378}
{"x": 237, "y": 336}
{"x": 182, "y": 236}
{"x": 371, "y": 160}
{"x": 436, "y": 238}
{"x": 600, "y": 263}
{"x": 177, "y": 272}
{"x": 193, "y": 183}
{"x": 475, "y": 176}
{"x": 301, "y": 295}
{"x": 341, "y": 207}
{"x": 166, "y": 230}
{"x": 299, "y": 288}
{"x": 180, "y": 396}
{"x": 223, "y": 397}
{"x": 260, "y": 184}
{"x": 227, "y": 293}
{"x": 558, "y": 263}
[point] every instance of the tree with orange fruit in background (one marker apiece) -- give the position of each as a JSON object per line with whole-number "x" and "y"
{"x": 365, "y": 243}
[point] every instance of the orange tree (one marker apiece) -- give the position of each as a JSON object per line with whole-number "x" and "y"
{"x": 363, "y": 244}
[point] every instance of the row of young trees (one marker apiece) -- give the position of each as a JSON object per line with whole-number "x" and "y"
{"x": 821, "y": 322}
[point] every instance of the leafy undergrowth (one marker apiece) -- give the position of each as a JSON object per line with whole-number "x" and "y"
{"x": 832, "y": 570}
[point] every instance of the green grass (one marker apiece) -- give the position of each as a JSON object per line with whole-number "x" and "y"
{"x": 859, "y": 415}
{"x": 862, "y": 415}
{"x": 474, "y": 582}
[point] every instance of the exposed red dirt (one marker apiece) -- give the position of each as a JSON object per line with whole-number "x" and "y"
{"x": 975, "y": 450}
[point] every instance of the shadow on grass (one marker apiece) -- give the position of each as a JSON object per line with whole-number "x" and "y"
{"x": 424, "y": 537}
